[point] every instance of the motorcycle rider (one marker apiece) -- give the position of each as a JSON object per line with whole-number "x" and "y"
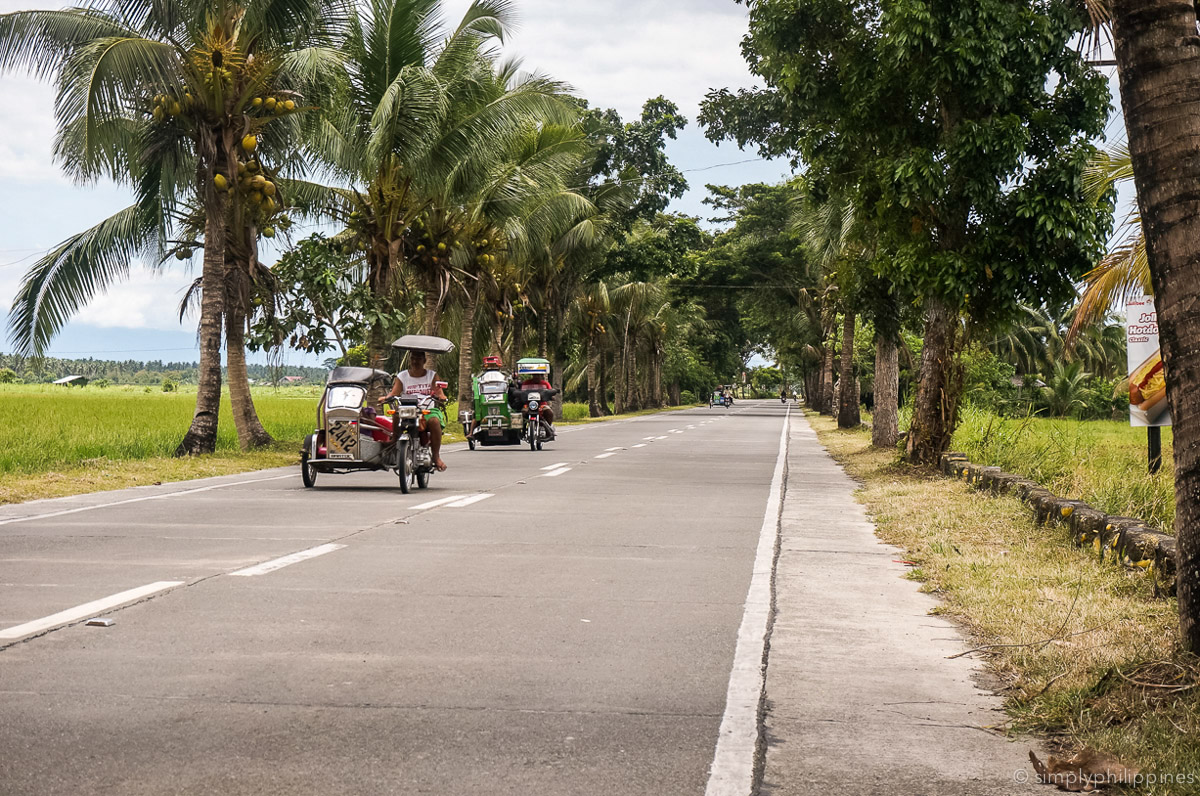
{"x": 421, "y": 383}
{"x": 536, "y": 381}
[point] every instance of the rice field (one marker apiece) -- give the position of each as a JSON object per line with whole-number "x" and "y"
{"x": 44, "y": 427}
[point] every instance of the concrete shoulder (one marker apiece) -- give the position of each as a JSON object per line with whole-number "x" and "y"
{"x": 860, "y": 695}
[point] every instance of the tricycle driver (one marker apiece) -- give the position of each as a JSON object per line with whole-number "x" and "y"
{"x": 421, "y": 383}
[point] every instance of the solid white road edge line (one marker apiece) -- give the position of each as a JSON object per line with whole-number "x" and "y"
{"x": 732, "y": 772}
{"x": 140, "y": 499}
{"x": 556, "y": 473}
{"x": 280, "y": 563}
{"x": 460, "y": 504}
{"x": 554, "y": 466}
{"x": 87, "y": 609}
{"x": 433, "y": 504}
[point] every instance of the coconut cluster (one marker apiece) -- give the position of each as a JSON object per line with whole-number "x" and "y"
{"x": 273, "y": 106}
{"x": 257, "y": 189}
{"x": 167, "y": 106}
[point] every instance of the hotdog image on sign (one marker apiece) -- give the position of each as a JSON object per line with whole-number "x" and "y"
{"x": 1148, "y": 388}
{"x": 1148, "y": 404}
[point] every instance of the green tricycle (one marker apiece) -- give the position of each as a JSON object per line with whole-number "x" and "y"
{"x": 490, "y": 420}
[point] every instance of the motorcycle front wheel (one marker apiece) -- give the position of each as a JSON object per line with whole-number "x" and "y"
{"x": 404, "y": 470}
{"x": 533, "y": 434}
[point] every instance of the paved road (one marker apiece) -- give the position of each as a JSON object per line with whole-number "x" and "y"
{"x": 547, "y": 631}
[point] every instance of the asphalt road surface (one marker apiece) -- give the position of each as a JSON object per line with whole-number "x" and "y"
{"x": 561, "y": 622}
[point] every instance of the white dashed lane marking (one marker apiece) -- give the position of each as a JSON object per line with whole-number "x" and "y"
{"x": 640, "y": 445}
{"x": 433, "y": 504}
{"x": 280, "y": 563}
{"x": 556, "y": 473}
{"x": 605, "y": 455}
{"x": 459, "y": 504}
{"x": 554, "y": 466}
{"x": 87, "y": 609}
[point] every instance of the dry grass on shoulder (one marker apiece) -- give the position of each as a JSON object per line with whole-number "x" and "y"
{"x": 1066, "y": 632}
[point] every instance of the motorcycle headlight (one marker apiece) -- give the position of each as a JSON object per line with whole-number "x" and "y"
{"x": 533, "y": 404}
{"x": 407, "y": 412}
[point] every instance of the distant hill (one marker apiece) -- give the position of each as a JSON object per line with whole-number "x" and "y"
{"x": 132, "y": 371}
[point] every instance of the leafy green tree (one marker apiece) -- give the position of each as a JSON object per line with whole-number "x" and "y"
{"x": 318, "y": 301}
{"x": 962, "y": 130}
{"x": 8, "y": 376}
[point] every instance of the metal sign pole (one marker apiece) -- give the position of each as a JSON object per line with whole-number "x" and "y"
{"x": 1154, "y": 448}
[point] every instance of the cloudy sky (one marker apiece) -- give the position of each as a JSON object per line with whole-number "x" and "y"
{"x": 615, "y": 53}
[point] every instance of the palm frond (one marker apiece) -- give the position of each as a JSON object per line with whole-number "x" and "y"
{"x": 73, "y": 273}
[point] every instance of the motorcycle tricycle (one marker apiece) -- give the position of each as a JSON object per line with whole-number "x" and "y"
{"x": 490, "y": 420}
{"x": 532, "y": 401}
{"x": 352, "y": 436}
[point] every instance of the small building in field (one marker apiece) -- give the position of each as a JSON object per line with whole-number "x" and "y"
{"x": 73, "y": 381}
{"x": 292, "y": 379}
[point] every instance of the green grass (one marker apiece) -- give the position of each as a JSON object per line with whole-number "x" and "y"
{"x": 1101, "y": 462}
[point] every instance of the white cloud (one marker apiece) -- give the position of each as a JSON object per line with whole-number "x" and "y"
{"x": 619, "y": 53}
{"x": 147, "y": 300}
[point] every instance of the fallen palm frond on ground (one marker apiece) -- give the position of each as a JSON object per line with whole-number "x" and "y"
{"x": 1088, "y": 656}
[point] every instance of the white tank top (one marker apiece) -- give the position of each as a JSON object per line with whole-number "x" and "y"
{"x": 421, "y": 387}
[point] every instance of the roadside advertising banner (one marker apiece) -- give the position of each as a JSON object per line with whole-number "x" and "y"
{"x": 1147, "y": 379}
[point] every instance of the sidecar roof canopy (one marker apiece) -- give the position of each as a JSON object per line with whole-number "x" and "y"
{"x": 424, "y": 342}
{"x": 350, "y": 375}
{"x": 533, "y": 366}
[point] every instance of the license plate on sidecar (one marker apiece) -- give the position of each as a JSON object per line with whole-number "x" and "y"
{"x": 495, "y": 432}
{"x": 343, "y": 440}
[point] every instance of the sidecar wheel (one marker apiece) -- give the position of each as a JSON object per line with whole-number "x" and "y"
{"x": 308, "y": 473}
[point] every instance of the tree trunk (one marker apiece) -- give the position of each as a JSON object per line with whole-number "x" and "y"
{"x": 543, "y": 334}
{"x": 250, "y": 431}
{"x": 619, "y": 382}
{"x": 885, "y": 423}
{"x": 433, "y": 305}
{"x": 937, "y": 390}
{"x": 1158, "y": 59}
{"x": 201, "y": 437}
{"x": 240, "y": 265}
{"x": 518, "y": 337}
{"x": 466, "y": 346}
{"x": 603, "y": 396}
{"x": 825, "y": 406}
{"x": 593, "y": 376}
{"x": 848, "y": 414}
{"x": 656, "y": 390}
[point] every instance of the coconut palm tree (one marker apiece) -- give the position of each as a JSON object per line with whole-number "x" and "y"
{"x": 588, "y": 314}
{"x": 172, "y": 98}
{"x": 416, "y": 118}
